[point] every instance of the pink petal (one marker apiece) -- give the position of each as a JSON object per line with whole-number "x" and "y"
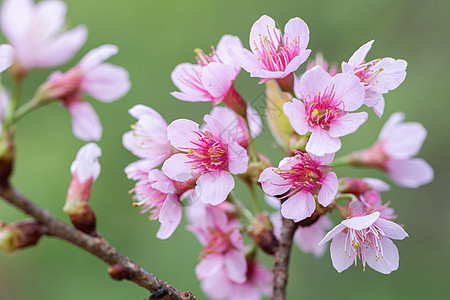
{"x": 214, "y": 187}
{"x": 223, "y": 49}
{"x": 405, "y": 140}
{"x": 236, "y": 266}
{"x": 328, "y": 190}
{"x": 97, "y": 56}
{"x": 347, "y": 124}
{"x": 296, "y": 28}
{"x": 392, "y": 75}
{"x": 106, "y": 82}
{"x": 63, "y": 48}
{"x": 298, "y": 207}
{"x": 379, "y": 108}
{"x": 394, "y": 120}
{"x": 217, "y": 129}
{"x": 321, "y": 143}
{"x": 177, "y": 167}
{"x": 217, "y": 286}
{"x": 169, "y": 217}
{"x": 296, "y": 62}
{"x": 85, "y": 122}
{"x": 391, "y": 230}
{"x": 186, "y": 97}
{"x": 52, "y": 14}
{"x": 272, "y": 183}
{"x": 386, "y": 263}
{"x": 295, "y": 111}
{"x": 313, "y": 82}
{"x": 410, "y": 173}
{"x": 236, "y": 239}
{"x": 244, "y": 58}
{"x": 181, "y": 132}
{"x": 182, "y": 76}
{"x": 139, "y": 110}
{"x": 361, "y": 222}
{"x": 16, "y": 16}
{"x": 217, "y": 79}
{"x": 341, "y": 258}
{"x": 6, "y": 56}
{"x": 308, "y": 238}
{"x": 86, "y": 163}
{"x": 377, "y": 184}
{"x": 359, "y": 56}
{"x": 264, "y": 26}
{"x": 161, "y": 182}
{"x": 349, "y": 90}
{"x": 237, "y": 158}
{"x": 332, "y": 233}
{"x": 209, "y": 265}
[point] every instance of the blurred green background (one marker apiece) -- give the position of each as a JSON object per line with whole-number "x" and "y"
{"x": 155, "y": 36}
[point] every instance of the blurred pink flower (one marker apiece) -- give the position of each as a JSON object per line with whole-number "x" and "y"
{"x": 324, "y": 110}
{"x": 379, "y": 76}
{"x": 211, "y": 154}
{"x": 397, "y": 143}
{"x": 211, "y": 79}
{"x": 222, "y": 241}
{"x": 148, "y": 139}
{"x": 103, "y": 81}
{"x": 298, "y": 178}
{"x": 258, "y": 284}
{"x": 159, "y": 195}
{"x": 320, "y": 61}
{"x": 235, "y": 124}
{"x": 36, "y": 31}
{"x": 365, "y": 237}
{"x": 274, "y": 55}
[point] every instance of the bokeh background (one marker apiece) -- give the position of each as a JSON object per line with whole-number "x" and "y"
{"x": 155, "y": 36}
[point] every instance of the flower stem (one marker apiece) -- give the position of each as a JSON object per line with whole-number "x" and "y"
{"x": 342, "y": 161}
{"x": 25, "y": 109}
{"x": 241, "y": 209}
{"x": 346, "y": 196}
{"x": 16, "y": 94}
{"x": 251, "y": 187}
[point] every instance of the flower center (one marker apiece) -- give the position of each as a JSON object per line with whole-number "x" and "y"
{"x": 367, "y": 71}
{"x": 303, "y": 177}
{"x": 218, "y": 243}
{"x": 363, "y": 241}
{"x": 208, "y": 155}
{"x": 275, "y": 53}
{"x": 323, "y": 109}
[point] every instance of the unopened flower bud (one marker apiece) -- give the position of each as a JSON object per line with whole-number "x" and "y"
{"x": 85, "y": 170}
{"x": 20, "y": 235}
{"x": 235, "y": 101}
{"x": 279, "y": 124}
{"x": 356, "y": 186}
{"x": 261, "y": 231}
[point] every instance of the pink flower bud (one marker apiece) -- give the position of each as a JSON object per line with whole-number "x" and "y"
{"x": 20, "y": 235}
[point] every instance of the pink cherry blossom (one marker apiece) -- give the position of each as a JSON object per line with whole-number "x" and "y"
{"x": 211, "y": 79}
{"x": 397, "y": 143}
{"x": 298, "y": 179}
{"x": 320, "y": 61}
{"x": 211, "y": 154}
{"x": 378, "y": 76}
{"x": 85, "y": 170}
{"x": 148, "y": 139}
{"x": 236, "y": 125}
{"x": 159, "y": 195}
{"x": 222, "y": 241}
{"x": 103, "y": 81}
{"x": 367, "y": 238}
{"x": 324, "y": 110}
{"x": 274, "y": 55}
{"x": 258, "y": 284}
{"x": 36, "y": 31}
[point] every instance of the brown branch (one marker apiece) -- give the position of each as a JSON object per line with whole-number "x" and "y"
{"x": 97, "y": 246}
{"x": 281, "y": 259}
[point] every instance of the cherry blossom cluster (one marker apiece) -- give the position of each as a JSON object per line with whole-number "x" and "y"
{"x": 318, "y": 108}
{"x": 192, "y": 167}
